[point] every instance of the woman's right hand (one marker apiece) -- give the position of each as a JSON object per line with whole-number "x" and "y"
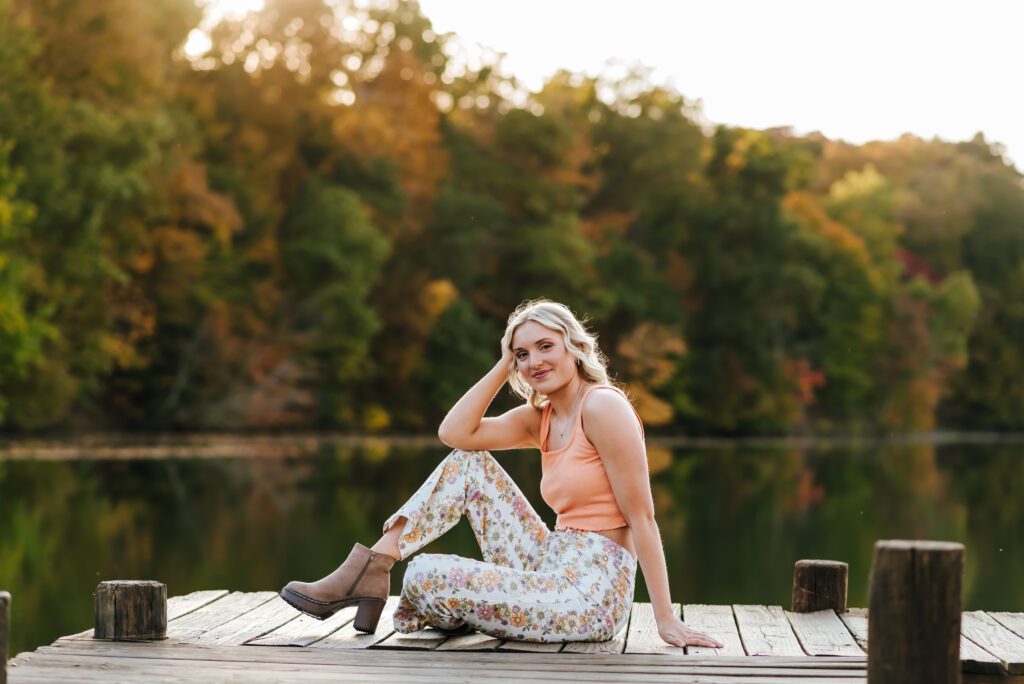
{"x": 507, "y": 358}
{"x": 466, "y": 428}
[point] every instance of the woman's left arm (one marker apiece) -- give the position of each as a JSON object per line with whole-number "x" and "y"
{"x": 612, "y": 428}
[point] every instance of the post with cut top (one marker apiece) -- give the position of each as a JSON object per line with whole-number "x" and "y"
{"x": 820, "y": 585}
{"x": 131, "y": 610}
{"x": 915, "y": 596}
{"x": 5, "y": 633}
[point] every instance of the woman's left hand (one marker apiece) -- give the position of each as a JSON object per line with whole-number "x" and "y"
{"x": 674, "y": 631}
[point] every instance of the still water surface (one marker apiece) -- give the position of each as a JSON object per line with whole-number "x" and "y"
{"x": 733, "y": 519}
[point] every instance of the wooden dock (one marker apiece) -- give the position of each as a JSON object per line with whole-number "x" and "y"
{"x": 257, "y": 637}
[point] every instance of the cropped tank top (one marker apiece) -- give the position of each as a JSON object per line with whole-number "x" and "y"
{"x": 574, "y": 482}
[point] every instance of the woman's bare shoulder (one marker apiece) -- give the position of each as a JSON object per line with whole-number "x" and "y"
{"x": 608, "y": 417}
{"x": 605, "y": 403}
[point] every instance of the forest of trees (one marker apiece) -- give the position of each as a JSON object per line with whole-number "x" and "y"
{"x": 324, "y": 221}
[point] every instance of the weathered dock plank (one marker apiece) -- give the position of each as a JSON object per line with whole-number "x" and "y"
{"x": 993, "y": 637}
{"x": 643, "y": 634}
{"x": 718, "y": 622}
{"x": 822, "y": 633}
{"x": 856, "y": 620}
{"x": 260, "y": 654}
{"x": 973, "y": 658}
{"x": 113, "y": 671}
{"x": 304, "y": 630}
{"x": 190, "y": 626}
{"x": 181, "y": 662}
{"x": 1011, "y": 621}
{"x": 765, "y": 630}
{"x": 256, "y": 622}
{"x": 177, "y": 606}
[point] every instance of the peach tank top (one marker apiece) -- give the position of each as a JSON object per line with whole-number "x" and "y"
{"x": 574, "y": 482}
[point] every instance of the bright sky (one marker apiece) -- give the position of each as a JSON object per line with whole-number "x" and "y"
{"x": 857, "y": 71}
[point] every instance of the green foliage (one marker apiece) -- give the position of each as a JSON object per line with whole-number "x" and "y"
{"x": 24, "y": 328}
{"x": 462, "y": 347}
{"x": 322, "y": 222}
{"x": 332, "y": 255}
{"x": 741, "y": 245}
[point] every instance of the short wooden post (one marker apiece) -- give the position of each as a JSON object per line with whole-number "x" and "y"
{"x": 5, "y": 633}
{"x": 819, "y": 585}
{"x": 914, "y": 612}
{"x": 131, "y": 610}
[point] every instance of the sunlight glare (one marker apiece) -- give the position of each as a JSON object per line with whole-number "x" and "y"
{"x": 215, "y": 10}
{"x": 198, "y": 43}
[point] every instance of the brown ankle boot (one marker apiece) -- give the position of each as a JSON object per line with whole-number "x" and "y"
{"x": 364, "y": 578}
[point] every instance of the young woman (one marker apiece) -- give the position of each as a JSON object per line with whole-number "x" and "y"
{"x": 571, "y": 584}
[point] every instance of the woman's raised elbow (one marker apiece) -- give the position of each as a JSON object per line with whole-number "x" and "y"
{"x": 445, "y": 435}
{"x": 454, "y": 438}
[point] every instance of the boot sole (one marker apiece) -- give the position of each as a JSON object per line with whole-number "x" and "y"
{"x": 367, "y": 615}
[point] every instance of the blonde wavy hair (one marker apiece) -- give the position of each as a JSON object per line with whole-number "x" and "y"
{"x": 591, "y": 364}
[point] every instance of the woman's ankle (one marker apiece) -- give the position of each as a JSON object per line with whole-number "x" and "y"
{"x": 387, "y": 549}
{"x": 388, "y": 544}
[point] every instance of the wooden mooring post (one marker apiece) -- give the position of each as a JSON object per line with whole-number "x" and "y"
{"x": 5, "y": 633}
{"x": 131, "y": 610}
{"x": 819, "y": 585}
{"x": 915, "y": 596}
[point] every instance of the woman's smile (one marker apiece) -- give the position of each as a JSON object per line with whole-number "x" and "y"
{"x": 542, "y": 358}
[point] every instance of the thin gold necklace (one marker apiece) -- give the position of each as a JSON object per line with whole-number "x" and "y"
{"x": 572, "y": 413}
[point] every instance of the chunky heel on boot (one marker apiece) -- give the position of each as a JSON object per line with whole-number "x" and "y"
{"x": 368, "y": 615}
{"x": 364, "y": 578}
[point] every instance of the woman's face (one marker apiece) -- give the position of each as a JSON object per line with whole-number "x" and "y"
{"x": 541, "y": 357}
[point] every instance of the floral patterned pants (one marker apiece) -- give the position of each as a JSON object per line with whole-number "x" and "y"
{"x": 534, "y": 584}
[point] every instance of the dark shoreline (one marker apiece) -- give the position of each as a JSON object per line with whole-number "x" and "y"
{"x": 117, "y": 446}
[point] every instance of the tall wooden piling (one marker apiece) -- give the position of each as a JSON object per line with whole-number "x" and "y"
{"x": 5, "y": 633}
{"x": 914, "y": 612}
{"x": 819, "y": 585}
{"x": 131, "y": 610}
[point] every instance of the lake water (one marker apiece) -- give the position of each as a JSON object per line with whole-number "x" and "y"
{"x": 733, "y": 517}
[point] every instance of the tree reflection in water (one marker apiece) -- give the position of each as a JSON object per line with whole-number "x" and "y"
{"x": 734, "y": 519}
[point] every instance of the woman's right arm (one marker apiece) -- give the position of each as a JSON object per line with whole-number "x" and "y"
{"x": 466, "y": 428}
